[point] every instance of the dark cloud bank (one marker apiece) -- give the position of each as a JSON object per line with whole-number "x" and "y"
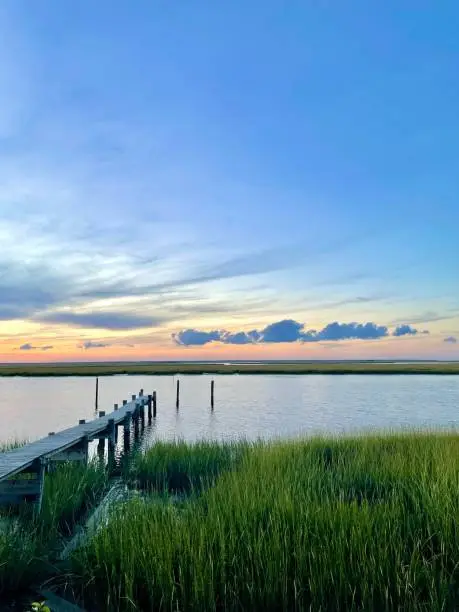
{"x": 289, "y": 331}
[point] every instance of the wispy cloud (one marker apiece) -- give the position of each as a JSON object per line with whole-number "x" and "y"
{"x": 29, "y": 347}
{"x": 451, "y": 340}
{"x": 91, "y": 344}
{"x": 430, "y": 316}
{"x": 100, "y": 320}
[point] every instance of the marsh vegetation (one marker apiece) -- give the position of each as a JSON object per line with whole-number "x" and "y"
{"x": 352, "y": 523}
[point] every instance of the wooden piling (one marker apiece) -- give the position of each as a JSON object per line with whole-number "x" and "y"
{"x": 111, "y": 456}
{"x": 115, "y": 407}
{"x": 177, "y": 401}
{"x": 150, "y": 399}
{"x": 212, "y": 385}
{"x": 142, "y": 416}
{"x": 81, "y": 421}
{"x": 101, "y": 413}
{"x": 124, "y": 402}
{"x": 126, "y": 440}
{"x": 111, "y": 429}
{"x": 39, "y": 468}
{"x": 154, "y": 404}
{"x": 101, "y": 448}
{"x": 97, "y": 393}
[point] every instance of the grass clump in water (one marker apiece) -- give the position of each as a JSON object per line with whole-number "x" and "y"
{"x": 178, "y": 467}
{"x": 368, "y": 523}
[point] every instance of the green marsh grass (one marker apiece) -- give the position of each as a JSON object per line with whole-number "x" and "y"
{"x": 69, "y": 492}
{"x": 29, "y": 544}
{"x": 182, "y": 468}
{"x": 282, "y": 367}
{"x": 8, "y": 445}
{"x": 364, "y": 523}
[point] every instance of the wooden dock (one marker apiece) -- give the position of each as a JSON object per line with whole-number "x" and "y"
{"x": 22, "y": 469}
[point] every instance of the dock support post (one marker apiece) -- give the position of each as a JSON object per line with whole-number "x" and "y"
{"x": 97, "y": 393}
{"x": 212, "y": 385}
{"x": 101, "y": 449}
{"x": 154, "y": 404}
{"x": 112, "y": 431}
{"x": 142, "y": 415}
{"x": 127, "y": 432}
{"x": 150, "y": 399}
{"x": 111, "y": 456}
{"x": 136, "y": 426}
{"x": 39, "y": 466}
{"x": 177, "y": 401}
{"x": 126, "y": 441}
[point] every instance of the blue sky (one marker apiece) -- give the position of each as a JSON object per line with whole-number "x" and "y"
{"x": 196, "y": 167}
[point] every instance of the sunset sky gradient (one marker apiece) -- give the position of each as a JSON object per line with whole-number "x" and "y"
{"x": 217, "y": 180}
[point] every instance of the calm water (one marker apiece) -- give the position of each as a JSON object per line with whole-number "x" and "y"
{"x": 249, "y": 406}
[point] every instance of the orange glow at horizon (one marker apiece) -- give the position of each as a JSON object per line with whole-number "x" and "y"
{"x": 378, "y": 349}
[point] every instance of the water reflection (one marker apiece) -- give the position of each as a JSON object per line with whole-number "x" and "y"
{"x": 245, "y": 406}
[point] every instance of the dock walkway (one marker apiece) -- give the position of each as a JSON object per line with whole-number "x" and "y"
{"x": 22, "y": 469}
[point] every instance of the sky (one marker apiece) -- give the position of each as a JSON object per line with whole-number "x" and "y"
{"x": 216, "y": 180}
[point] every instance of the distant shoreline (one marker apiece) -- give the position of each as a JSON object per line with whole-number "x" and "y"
{"x": 229, "y": 367}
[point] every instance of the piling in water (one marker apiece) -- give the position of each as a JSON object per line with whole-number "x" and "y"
{"x": 101, "y": 448}
{"x": 154, "y": 404}
{"x": 150, "y": 399}
{"x": 177, "y": 401}
{"x": 212, "y": 385}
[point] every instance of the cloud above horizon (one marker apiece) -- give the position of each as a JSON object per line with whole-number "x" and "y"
{"x": 29, "y": 347}
{"x": 451, "y": 340}
{"x": 406, "y": 330}
{"x": 91, "y": 344}
{"x": 284, "y": 331}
